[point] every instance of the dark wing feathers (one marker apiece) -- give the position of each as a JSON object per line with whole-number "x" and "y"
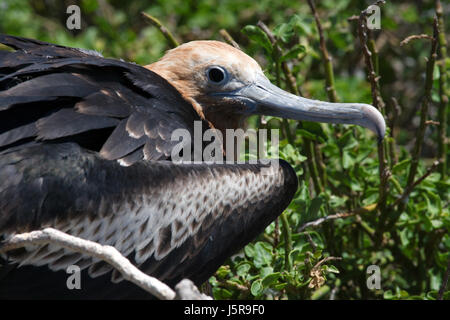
{"x": 120, "y": 143}
{"x": 68, "y": 122}
{"x": 18, "y": 133}
{"x": 73, "y": 91}
{"x": 173, "y": 221}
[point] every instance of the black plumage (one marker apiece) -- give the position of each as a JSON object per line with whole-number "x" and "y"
{"x": 66, "y": 116}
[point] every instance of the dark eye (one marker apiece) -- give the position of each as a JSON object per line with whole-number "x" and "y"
{"x": 217, "y": 75}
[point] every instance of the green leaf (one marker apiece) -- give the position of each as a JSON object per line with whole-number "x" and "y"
{"x": 347, "y": 140}
{"x": 259, "y": 36}
{"x": 223, "y": 271}
{"x": 265, "y": 271}
{"x": 263, "y": 254}
{"x": 402, "y": 165}
{"x": 257, "y": 288}
{"x": 347, "y": 160}
{"x": 331, "y": 269}
{"x": 320, "y": 292}
{"x": 243, "y": 269}
{"x": 306, "y": 134}
{"x": 249, "y": 250}
{"x": 270, "y": 279}
{"x": 221, "y": 293}
{"x": 437, "y": 223}
{"x": 404, "y": 237}
{"x": 284, "y": 32}
{"x": 293, "y": 52}
{"x": 313, "y": 210}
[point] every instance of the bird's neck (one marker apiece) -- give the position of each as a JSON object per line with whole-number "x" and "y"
{"x": 217, "y": 116}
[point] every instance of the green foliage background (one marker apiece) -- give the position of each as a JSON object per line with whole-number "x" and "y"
{"x": 411, "y": 243}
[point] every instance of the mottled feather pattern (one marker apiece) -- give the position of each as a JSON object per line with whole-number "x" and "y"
{"x": 144, "y": 220}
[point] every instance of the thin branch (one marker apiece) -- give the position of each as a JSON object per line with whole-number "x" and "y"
{"x": 311, "y": 242}
{"x": 166, "y": 33}
{"x": 329, "y": 75}
{"x": 373, "y": 77}
{"x": 319, "y": 221}
{"x": 432, "y": 123}
{"x": 108, "y": 254}
{"x": 444, "y": 282}
{"x": 415, "y": 37}
{"x": 228, "y": 38}
{"x": 410, "y": 188}
{"x": 287, "y": 241}
{"x": 186, "y": 290}
{"x": 378, "y": 103}
{"x": 324, "y": 260}
{"x": 308, "y": 144}
{"x": 394, "y": 113}
{"x": 424, "y": 108}
{"x": 317, "y": 279}
{"x": 290, "y": 79}
{"x": 443, "y": 95}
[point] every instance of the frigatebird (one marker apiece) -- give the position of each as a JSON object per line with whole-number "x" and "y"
{"x": 85, "y": 147}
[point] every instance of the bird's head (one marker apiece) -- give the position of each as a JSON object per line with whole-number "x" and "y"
{"x": 225, "y": 86}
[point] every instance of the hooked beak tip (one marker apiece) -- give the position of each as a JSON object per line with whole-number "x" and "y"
{"x": 376, "y": 121}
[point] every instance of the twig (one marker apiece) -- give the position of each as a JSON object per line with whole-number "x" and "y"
{"x": 432, "y": 123}
{"x": 108, "y": 254}
{"x": 290, "y": 79}
{"x": 373, "y": 77}
{"x": 329, "y": 75}
{"x": 415, "y": 37}
{"x": 321, "y": 262}
{"x": 287, "y": 241}
{"x": 444, "y": 282}
{"x": 394, "y": 112}
{"x": 410, "y": 188}
{"x": 319, "y": 221}
{"x": 311, "y": 242}
{"x": 317, "y": 279}
{"x": 276, "y": 233}
{"x": 166, "y": 33}
{"x": 308, "y": 144}
{"x": 424, "y": 108}
{"x": 186, "y": 290}
{"x": 443, "y": 96}
{"x": 378, "y": 103}
{"x": 228, "y": 38}
{"x": 234, "y": 285}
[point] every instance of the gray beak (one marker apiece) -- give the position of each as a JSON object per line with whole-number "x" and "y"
{"x": 264, "y": 98}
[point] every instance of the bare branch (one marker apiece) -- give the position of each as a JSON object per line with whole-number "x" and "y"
{"x": 424, "y": 107}
{"x": 108, "y": 254}
{"x": 228, "y": 38}
{"x": 166, "y": 32}
{"x": 329, "y": 75}
{"x": 410, "y": 188}
{"x": 443, "y": 92}
{"x": 186, "y": 290}
{"x": 319, "y": 221}
{"x": 415, "y": 37}
{"x": 444, "y": 282}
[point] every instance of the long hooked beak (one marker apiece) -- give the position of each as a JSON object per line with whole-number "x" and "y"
{"x": 264, "y": 98}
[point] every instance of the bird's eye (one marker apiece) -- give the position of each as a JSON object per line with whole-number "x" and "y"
{"x": 217, "y": 75}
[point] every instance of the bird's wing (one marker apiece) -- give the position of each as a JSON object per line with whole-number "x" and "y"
{"x": 172, "y": 220}
{"x": 51, "y": 92}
